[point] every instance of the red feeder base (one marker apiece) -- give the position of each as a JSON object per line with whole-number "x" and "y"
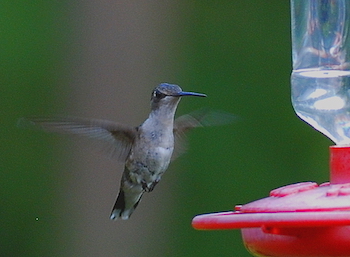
{"x": 303, "y": 219}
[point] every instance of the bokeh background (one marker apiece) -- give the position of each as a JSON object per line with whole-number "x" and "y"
{"x": 101, "y": 59}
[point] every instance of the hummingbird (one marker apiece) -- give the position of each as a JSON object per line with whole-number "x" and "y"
{"x": 146, "y": 150}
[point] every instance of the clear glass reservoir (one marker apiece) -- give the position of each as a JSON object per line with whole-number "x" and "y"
{"x": 321, "y": 69}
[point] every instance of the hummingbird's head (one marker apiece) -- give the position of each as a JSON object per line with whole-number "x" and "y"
{"x": 169, "y": 95}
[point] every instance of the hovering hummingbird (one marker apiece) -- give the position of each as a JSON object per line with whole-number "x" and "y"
{"x": 146, "y": 150}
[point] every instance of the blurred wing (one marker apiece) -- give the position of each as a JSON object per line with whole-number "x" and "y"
{"x": 199, "y": 118}
{"x": 117, "y": 137}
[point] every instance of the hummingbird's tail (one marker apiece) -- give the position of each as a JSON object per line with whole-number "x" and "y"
{"x": 126, "y": 203}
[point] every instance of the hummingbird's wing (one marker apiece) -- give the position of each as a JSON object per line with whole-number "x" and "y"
{"x": 117, "y": 137}
{"x": 200, "y": 118}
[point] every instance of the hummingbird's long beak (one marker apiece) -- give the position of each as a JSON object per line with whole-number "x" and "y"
{"x": 190, "y": 94}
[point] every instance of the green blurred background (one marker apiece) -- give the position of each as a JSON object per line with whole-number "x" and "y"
{"x": 101, "y": 59}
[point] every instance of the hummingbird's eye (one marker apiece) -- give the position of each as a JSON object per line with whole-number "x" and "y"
{"x": 157, "y": 94}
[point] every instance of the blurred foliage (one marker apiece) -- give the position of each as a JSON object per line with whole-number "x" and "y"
{"x": 237, "y": 52}
{"x": 31, "y": 68}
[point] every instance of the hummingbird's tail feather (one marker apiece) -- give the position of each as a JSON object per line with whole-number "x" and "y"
{"x": 126, "y": 203}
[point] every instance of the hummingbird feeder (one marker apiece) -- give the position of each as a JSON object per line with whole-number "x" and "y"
{"x": 308, "y": 219}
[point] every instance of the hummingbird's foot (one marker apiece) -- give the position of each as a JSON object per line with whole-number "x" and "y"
{"x": 149, "y": 188}
{"x": 145, "y": 186}
{"x": 152, "y": 186}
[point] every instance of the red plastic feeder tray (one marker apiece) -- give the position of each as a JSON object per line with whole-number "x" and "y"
{"x": 303, "y": 219}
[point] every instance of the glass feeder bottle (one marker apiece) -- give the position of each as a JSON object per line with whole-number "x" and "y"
{"x": 321, "y": 68}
